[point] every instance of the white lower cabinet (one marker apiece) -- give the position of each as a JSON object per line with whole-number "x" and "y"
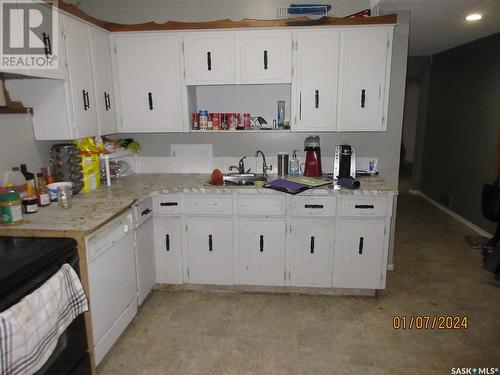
{"x": 168, "y": 250}
{"x": 243, "y": 239}
{"x": 312, "y": 246}
{"x": 261, "y": 251}
{"x": 360, "y": 254}
{"x": 209, "y": 247}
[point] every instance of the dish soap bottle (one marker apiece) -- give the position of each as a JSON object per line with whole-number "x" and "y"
{"x": 294, "y": 164}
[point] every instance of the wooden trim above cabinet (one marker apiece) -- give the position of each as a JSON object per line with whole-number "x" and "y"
{"x": 227, "y": 24}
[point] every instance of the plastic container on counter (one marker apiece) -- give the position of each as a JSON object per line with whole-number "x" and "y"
{"x": 11, "y": 206}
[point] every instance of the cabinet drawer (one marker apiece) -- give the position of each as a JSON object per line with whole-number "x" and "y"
{"x": 313, "y": 206}
{"x": 261, "y": 205}
{"x": 364, "y": 206}
{"x": 143, "y": 211}
{"x": 167, "y": 204}
{"x": 209, "y": 204}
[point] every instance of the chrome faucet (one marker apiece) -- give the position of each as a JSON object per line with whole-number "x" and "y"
{"x": 240, "y": 167}
{"x": 265, "y": 167}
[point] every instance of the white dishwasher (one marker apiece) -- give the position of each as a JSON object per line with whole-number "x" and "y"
{"x": 112, "y": 281}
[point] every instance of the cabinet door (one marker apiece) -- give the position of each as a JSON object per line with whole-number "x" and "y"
{"x": 80, "y": 77}
{"x": 103, "y": 80}
{"x": 261, "y": 251}
{"x": 312, "y": 252}
{"x": 149, "y": 79}
{"x": 209, "y": 245}
{"x": 359, "y": 255}
{"x": 53, "y": 46}
{"x": 364, "y": 63}
{"x": 209, "y": 58}
{"x": 145, "y": 259}
{"x": 266, "y": 56}
{"x": 317, "y": 70}
{"x": 168, "y": 250}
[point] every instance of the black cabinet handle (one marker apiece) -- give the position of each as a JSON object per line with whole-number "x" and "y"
{"x": 167, "y": 242}
{"x": 265, "y": 60}
{"x": 209, "y": 60}
{"x": 210, "y": 242}
{"x": 312, "y": 244}
{"x": 300, "y": 106}
{"x": 313, "y": 206}
{"x": 47, "y": 44}
{"x": 150, "y": 100}
{"x": 145, "y": 212}
{"x": 86, "y": 102}
{"x": 361, "y": 241}
{"x": 363, "y": 98}
{"x": 168, "y": 204}
{"x": 364, "y": 206}
{"x": 261, "y": 243}
{"x": 107, "y": 101}
{"x": 316, "y": 99}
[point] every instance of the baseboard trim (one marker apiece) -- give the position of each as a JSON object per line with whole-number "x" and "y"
{"x": 454, "y": 215}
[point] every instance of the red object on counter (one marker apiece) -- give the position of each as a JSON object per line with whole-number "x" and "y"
{"x": 217, "y": 178}
{"x": 246, "y": 121}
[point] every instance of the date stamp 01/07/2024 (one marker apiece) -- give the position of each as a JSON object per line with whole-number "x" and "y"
{"x": 438, "y": 322}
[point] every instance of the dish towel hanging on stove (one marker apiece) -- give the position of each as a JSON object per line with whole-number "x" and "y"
{"x": 29, "y": 330}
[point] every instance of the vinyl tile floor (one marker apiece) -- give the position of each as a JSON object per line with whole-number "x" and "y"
{"x": 436, "y": 274}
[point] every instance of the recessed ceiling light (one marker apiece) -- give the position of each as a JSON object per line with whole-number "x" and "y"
{"x": 474, "y": 17}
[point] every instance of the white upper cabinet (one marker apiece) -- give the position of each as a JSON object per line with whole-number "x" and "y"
{"x": 148, "y": 71}
{"x": 317, "y": 63}
{"x": 103, "y": 80}
{"x": 265, "y": 56}
{"x": 80, "y": 78}
{"x": 364, "y": 78}
{"x": 209, "y": 58}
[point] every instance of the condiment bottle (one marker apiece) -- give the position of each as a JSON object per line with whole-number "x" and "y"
{"x": 42, "y": 192}
{"x": 30, "y": 181}
{"x": 30, "y": 204}
{"x": 203, "y": 119}
{"x": 11, "y": 206}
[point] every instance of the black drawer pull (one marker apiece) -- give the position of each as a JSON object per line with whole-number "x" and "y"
{"x": 316, "y": 99}
{"x": 313, "y": 206}
{"x": 209, "y": 60}
{"x": 167, "y": 242}
{"x": 361, "y": 240}
{"x": 210, "y": 242}
{"x": 146, "y": 212}
{"x": 150, "y": 100}
{"x": 168, "y": 204}
{"x": 265, "y": 60}
{"x": 261, "y": 243}
{"x": 312, "y": 244}
{"x": 363, "y": 98}
{"x": 364, "y": 206}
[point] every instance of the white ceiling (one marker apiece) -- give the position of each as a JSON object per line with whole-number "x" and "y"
{"x": 437, "y": 25}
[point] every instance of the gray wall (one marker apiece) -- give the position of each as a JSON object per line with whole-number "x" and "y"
{"x": 133, "y": 11}
{"x": 462, "y": 126}
{"x": 18, "y": 145}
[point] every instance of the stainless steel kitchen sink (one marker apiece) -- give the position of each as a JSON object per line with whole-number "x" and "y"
{"x": 242, "y": 179}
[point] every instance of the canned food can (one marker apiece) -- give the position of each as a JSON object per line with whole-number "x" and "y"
{"x": 246, "y": 120}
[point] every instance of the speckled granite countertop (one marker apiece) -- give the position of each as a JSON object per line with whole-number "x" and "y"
{"x": 91, "y": 210}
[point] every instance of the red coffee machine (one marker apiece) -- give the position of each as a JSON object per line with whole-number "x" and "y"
{"x": 312, "y": 166}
